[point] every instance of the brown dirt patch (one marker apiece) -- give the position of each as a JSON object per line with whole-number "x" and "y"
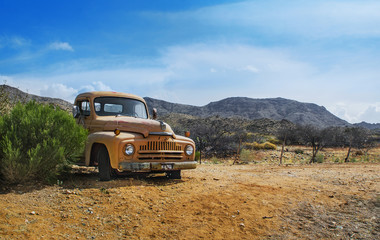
{"x": 330, "y": 201}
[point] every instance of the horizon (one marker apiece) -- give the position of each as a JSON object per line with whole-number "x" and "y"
{"x": 191, "y": 52}
{"x": 218, "y": 101}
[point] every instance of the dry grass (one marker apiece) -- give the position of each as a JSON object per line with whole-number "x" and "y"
{"x": 330, "y": 155}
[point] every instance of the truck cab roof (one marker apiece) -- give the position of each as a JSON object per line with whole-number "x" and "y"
{"x": 95, "y": 94}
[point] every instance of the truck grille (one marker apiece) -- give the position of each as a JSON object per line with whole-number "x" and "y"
{"x": 157, "y": 150}
{"x": 160, "y": 146}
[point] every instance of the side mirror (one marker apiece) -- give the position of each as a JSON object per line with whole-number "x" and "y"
{"x": 154, "y": 113}
{"x": 76, "y": 111}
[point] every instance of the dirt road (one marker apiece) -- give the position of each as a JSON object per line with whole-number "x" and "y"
{"x": 330, "y": 201}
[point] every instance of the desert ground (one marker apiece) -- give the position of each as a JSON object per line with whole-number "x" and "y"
{"x": 214, "y": 201}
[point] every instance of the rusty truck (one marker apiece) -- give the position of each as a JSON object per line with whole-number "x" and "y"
{"x": 124, "y": 138}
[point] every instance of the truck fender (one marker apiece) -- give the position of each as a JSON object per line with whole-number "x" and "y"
{"x": 110, "y": 140}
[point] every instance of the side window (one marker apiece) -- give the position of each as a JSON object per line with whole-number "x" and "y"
{"x": 85, "y": 108}
{"x": 113, "y": 108}
{"x": 98, "y": 107}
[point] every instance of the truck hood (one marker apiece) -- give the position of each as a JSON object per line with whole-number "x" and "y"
{"x": 136, "y": 125}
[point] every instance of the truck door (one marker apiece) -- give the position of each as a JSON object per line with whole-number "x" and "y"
{"x": 85, "y": 113}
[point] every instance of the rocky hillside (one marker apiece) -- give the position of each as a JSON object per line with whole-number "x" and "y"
{"x": 371, "y": 126}
{"x": 14, "y": 94}
{"x": 238, "y": 107}
{"x": 249, "y": 108}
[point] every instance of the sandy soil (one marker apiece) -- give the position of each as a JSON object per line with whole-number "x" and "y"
{"x": 329, "y": 201}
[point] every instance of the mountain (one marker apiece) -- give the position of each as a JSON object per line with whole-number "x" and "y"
{"x": 250, "y": 108}
{"x": 238, "y": 107}
{"x": 371, "y": 126}
{"x": 14, "y": 94}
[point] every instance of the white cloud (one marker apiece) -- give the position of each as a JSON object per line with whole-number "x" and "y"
{"x": 219, "y": 70}
{"x": 65, "y": 46}
{"x": 251, "y": 69}
{"x": 371, "y": 114}
{"x": 58, "y": 90}
{"x": 19, "y": 42}
{"x": 307, "y": 18}
{"x": 355, "y": 112}
{"x": 345, "y": 111}
{"x": 13, "y": 42}
{"x": 95, "y": 86}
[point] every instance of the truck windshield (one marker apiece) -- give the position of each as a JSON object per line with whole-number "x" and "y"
{"x": 113, "y": 106}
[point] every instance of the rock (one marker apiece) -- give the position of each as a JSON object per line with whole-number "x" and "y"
{"x": 90, "y": 211}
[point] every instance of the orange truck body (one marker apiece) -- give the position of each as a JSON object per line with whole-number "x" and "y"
{"x": 121, "y": 124}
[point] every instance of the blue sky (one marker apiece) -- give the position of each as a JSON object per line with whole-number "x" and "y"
{"x": 195, "y": 52}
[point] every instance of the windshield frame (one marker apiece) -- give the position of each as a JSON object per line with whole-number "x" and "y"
{"x": 113, "y": 100}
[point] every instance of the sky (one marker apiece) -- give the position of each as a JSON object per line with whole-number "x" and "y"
{"x": 195, "y": 51}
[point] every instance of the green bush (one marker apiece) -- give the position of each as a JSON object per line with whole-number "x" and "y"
{"x": 269, "y": 146}
{"x": 215, "y": 160}
{"x": 261, "y": 146}
{"x": 319, "y": 158}
{"x": 246, "y": 156}
{"x": 275, "y": 141}
{"x": 298, "y": 151}
{"x": 197, "y": 156}
{"x": 37, "y": 142}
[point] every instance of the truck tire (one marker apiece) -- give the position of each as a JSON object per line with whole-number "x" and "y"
{"x": 174, "y": 174}
{"x": 103, "y": 159}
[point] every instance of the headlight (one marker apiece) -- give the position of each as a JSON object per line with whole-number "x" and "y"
{"x": 129, "y": 149}
{"x": 189, "y": 150}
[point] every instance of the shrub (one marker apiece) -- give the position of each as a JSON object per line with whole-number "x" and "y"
{"x": 269, "y": 146}
{"x": 197, "y": 155}
{"x": 319, "y": 158}
{"x": 245, "y": 155}
{"x": 275, "y": 141}
{"x": 298, "y": 151}
{"x": 261, "y": 146}
{"x": 358, "y": 153}
{"x": 215, "y": 160}
{"x": 249, "y": 145}
{"x": 37, "y": 141}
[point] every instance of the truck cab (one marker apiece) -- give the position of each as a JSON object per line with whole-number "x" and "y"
{"x": 123, "y": 138}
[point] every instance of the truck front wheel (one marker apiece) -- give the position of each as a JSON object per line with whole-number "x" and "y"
{"x": 103, "y": 159}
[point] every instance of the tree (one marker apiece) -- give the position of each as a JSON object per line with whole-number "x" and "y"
{"x": 240, "y": 135}
{"x": 216, "y": 136}
{"x": 355, "y": 137}
{"x": 283, "y": 134}
{"x": 314, "y": 136}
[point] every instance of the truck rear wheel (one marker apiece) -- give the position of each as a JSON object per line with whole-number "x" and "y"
{"x": 103, "y": 159}
{"x": 174, "y": 174}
